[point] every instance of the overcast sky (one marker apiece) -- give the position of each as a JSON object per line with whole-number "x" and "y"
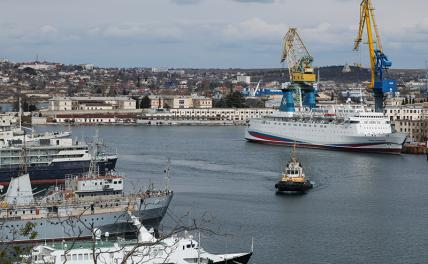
{"x": 204, "y": 33}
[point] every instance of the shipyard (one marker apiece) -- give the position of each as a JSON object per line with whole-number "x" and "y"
{"x": 210, "y": 132}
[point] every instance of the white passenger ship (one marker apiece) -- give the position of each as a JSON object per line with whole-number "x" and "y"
{"x": 341, "y": 128}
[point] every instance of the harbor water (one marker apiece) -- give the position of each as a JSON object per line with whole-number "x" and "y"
{"x": 364, "y": 208}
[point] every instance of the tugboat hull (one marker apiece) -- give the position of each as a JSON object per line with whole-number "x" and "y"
{"x": 293, "y": 186}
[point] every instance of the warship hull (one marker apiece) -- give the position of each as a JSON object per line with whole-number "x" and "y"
{"x": 54, "y": 173}
{"x": 151, "y": 212}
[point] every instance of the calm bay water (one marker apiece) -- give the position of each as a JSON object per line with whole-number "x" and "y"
{"x": 365, "y": 208}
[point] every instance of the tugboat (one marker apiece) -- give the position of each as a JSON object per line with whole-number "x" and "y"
{"x": 293, "y": 178}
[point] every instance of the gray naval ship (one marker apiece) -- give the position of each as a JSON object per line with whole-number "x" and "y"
{"x": 86, "y": 202}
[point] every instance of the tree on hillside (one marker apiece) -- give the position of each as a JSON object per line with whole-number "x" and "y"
{"x": 26, "y": 106}
{"x": 145, "y": 102}
{"x": 235, "y": 100}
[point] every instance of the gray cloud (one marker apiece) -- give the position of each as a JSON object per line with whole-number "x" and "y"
{"x": 202, "y": 33}
{"x": 255, "y": 1}
{"x": 190, "y": 2}
{"x": 186, "y": 2}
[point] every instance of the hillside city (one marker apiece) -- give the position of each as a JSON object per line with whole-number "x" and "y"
{"x": 84, "y": 94}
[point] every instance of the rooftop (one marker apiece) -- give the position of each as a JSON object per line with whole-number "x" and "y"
{"x": 92, "y": 98}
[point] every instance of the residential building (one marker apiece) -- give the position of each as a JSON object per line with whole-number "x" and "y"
{"x": 156, "y": 101}
{"x": 180, "y": 102}
{"x": 243, "y": 79}
{"x": 37, "y": 66}
{"x": 61, "y": 104}
{"x": 411, "y": 119}
{"x": 202, "y": 101}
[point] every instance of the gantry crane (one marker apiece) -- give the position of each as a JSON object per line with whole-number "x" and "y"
{"x": 302, "y": 76}
{"x": 379, "y": 62}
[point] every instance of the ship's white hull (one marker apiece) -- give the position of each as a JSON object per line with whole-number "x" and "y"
{"x": 328, "y": 137}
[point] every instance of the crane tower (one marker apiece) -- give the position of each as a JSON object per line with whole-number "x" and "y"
{"x": 379, "y": 62}
{"x": 302, "y": 76}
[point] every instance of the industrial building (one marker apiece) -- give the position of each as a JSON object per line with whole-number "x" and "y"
{"x": 91, "y": 103}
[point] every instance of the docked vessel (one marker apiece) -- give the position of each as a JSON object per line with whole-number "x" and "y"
{"x": 146, "y": 249}
{"x": 49, "y": 160}
{"x": 10, "y": 133}
{"x": 293, "y": 177}
{"x": 71, "y": 212}
{"x": 351, "y": 129}
{"x": 50, "y": 155}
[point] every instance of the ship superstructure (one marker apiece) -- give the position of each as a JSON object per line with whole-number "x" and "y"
{"x": 49, "y": 160}
{"x": 86, "y": 202}
{"x": 11, "y": 133}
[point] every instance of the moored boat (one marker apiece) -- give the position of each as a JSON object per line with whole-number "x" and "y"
{"x": 348, "y": 129}
{"x": 146, "y": 249}
{"x": 70, "y": 212}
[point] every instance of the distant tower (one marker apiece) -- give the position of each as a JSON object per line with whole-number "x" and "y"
{"x": 346, "y": 68}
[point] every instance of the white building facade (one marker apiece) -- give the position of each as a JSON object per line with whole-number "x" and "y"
{"x": 91, "y": 103}
{"x": 225, "y": 114}
{"x": 411, "y": 119}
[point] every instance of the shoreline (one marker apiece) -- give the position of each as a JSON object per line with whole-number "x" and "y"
{"x": 155, "y": 123}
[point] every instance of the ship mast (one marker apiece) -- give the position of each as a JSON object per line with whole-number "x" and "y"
{"x": 293, "y": 153}
{"x": 93, "y": 168}
{"x": 167, "y": 174}
{"x": 20, "y": 110}
{"x": 24, "y": 166}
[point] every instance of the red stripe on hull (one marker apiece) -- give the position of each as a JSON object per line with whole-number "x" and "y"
{"x": 39, "y": 182}
{"x": 350, "y": 149}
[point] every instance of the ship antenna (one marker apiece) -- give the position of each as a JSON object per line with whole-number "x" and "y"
{"x": 93, "y": 167}
{"x": 167, "y": 174}
{"x": 20, "y": 109}
{"x": 199, "y": 247}
{"x": 293, "y": 153}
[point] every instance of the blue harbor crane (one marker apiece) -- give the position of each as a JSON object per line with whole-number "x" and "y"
{"x": 379, "y": 62}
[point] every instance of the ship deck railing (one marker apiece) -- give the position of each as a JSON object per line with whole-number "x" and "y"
{"x": 89, "y": 200}
{"x": 94, "y": 174}
{"x": 312, "y": 118}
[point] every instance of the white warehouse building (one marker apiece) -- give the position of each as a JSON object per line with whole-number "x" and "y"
{"x": 91, "y": 103}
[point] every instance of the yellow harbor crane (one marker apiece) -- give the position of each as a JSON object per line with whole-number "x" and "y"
{"x": 379, "y": 62}
{"x": 298, "y": 58}
{"x": 302, "y": 76}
